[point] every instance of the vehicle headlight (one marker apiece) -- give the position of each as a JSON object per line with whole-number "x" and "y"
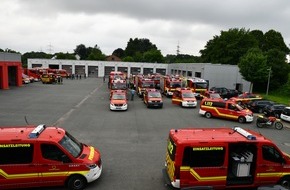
{"x": 92, "y": 166}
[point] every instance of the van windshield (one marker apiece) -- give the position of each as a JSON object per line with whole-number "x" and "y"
{"x": 72, "y": 145}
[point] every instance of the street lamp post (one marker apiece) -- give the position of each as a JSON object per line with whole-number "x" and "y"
{"x": 269, "y": 76}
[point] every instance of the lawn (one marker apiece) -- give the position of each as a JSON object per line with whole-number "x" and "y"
{"x": 283, "y": 99}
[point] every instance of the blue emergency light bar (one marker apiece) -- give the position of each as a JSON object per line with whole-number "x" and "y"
{"x": 37, "y": 131}
{"x": 243, "y": 132}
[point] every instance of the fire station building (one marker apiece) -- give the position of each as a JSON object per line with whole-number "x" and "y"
{"x": 217, "y": 74}
{"x": 10, "y": 70}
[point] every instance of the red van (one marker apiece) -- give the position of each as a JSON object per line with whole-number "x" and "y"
{"x": 37, "y": 156}
{"x": 184, "y": 97}
{"x": 225, "y": 109}
{"x": 223, "y": 158}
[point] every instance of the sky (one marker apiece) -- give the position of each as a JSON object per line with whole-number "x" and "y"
{"x": 54, "y": 26}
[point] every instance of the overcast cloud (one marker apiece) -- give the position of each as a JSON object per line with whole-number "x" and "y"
{"x": 55, "y": 26}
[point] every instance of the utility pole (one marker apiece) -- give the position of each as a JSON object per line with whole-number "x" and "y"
{"x": 177, "y": 51}
{"x": 269, "y": 76}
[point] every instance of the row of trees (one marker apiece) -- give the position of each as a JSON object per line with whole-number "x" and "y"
{"x": 253, "y": 51}
{"x": 257, "y": 54}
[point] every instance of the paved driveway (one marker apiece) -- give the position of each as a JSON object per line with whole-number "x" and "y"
{"x": 132, "y": 143}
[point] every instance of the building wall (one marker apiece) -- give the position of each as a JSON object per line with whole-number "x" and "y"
{"x": 218, "y": 75}
{"x": 10, "y": 70}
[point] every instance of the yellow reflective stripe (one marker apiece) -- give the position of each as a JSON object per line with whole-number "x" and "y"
{"x": 199, "y": 178}
{"x": 272, "y": 174}
{"x": 170, "y": 167}
{"x": 15, "y": 176}
{"x": 44, "y": 174}
{"x": 64, "y": 173}
{"x": 220, "y": 114}
{"x": 177, "y": 100}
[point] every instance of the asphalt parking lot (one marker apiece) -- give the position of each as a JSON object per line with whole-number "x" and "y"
{"x": 132, "y": 143}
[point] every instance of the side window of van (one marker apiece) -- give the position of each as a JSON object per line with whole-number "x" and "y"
{"x": 271, "y": 154}
{"x": 52, "y": 152}
{"x": 16, "y": 153}
{"x": 219, "y": 104}
{"x": 203, "y": 156}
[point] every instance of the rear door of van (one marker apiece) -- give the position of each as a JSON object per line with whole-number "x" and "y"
{"x": 204, "y": 166}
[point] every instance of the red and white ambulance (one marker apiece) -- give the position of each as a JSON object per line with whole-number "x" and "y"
{"x": 37, "y": 156}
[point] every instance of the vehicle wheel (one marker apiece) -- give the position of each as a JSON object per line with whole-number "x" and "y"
{"x": 260, "y": 110}
{"x": 285, "y": 182}
{"x": 279, "y": 125}
{"x": 76, "y": 182}
{"x": 259, "y": 124}
{"x": 208, "y": 115}
{"x": 242, "y": 119}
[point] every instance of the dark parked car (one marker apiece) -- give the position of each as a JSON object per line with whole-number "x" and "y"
{"x": 225, "y": 93}
{"x": 274, "y": 110}
{"x": 257, "y": 106}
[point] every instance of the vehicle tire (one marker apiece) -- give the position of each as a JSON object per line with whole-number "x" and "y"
{"x": 208, "y": 115}
{"x": 259, "y": 124}
{"x": 241, "y": 119}
{"x": 76, "y": 182}
{"x": 285, "y": 182}
{"x": 278, "y": 125}
{"x": 260, "y": 110}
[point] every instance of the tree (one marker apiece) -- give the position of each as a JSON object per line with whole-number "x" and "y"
{"x": 33, "y": 54}
{"x": 81, "y": 50}
{"x": 274, "y": 40}
{"x": 276, "y": 60}
{"x": 119, "y": 53}
{"x": 153, "y": 56}
{"x": 96, "y": 54}
{"x": 65, "y": 56}
{"x": 228, "y": 47}
{"x": 128, "y": 59}
{"x": 253, "y": 66}
{"x": 138, "y": 45}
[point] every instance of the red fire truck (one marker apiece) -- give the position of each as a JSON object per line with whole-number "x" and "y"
{"x": 142, "y": 83}
{"x": 197, "y": 85}
{"x": 168, "y": 84}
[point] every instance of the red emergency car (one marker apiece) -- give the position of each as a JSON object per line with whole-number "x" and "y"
{"x": 152, "y": 98}
{"x": 37, "y": 156}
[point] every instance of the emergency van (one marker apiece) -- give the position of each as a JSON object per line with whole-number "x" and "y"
{"x": 152, "y": 98}
{"x": 118, "y": 100}
{"x": 223, "y": 158}
{"x": 36, "y": 156}
{"x": 225, "y": 109}
{"x": 184, "y": 97}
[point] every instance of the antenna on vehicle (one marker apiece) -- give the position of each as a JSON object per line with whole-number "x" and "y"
{"x": 26, "y": 120}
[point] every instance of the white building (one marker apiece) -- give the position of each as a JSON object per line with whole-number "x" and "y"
{"x": 218, "y": 75}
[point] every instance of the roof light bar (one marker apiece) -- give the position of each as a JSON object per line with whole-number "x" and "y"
{"x": 243, "y": 132}
{"x": 37, "y": 131}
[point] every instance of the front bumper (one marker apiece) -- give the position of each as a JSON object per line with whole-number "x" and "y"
{"x": 189, "y": 104}
{"x": 119, "y": 107}
{"x": 155, "y": 104}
